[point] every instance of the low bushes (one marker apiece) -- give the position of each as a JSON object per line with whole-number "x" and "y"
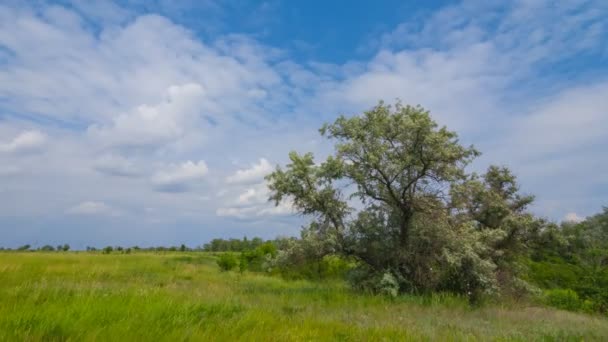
{"x": 565, "y": 299}
{"x": 227, "y": 261}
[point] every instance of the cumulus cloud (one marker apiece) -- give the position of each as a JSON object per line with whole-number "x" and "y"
{"x": 253, "y": 174}
{"x": 573, "y": 217}
{"x": 283, "y": 209}
{"x": 26, "y": 141}
{"x": 256, "y": 194}
{"x": 92, "y": 208}
{"x": 157, "y": 124}
{"x": 180, "y": 177}
{"x": 253, "y": 202}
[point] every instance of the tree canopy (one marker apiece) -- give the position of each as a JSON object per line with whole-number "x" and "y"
{"x": 396, "y": 197}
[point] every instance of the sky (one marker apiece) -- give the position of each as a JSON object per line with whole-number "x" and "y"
{"x": 154, "y": 122}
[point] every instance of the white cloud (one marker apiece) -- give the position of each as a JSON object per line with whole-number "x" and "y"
{"x": 251, "y": 175}
{"x": 27, "y": 141}
{"x": 573, "y": 119}
{"x": 179, "y": 178}
{"x": 116, "y": 165}
{"x": 257, "y": 194}
{"x": 154, "y": 125}
{"x": 253, "y": 202}
{"x": 92, "y": 208}
{"x": 249, "y": 212}
{"x": 284, "y": 208}
{"x": 573, "y": 217}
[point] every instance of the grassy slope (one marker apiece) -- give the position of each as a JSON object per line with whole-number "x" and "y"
{"x": 78, "y": 296}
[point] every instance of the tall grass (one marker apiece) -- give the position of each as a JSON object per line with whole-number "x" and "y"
{"x": 184, "y": 296}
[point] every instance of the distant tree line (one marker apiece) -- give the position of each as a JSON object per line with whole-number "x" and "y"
{"x": 128, "y": 250}
{"x": 45, "y": 248}
{"x": 240, "y": 245}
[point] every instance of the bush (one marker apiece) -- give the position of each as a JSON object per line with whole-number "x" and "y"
{"x": 389, "y": 285}
{"x": 365, "y": 279}
{"x": 565, "y": 299}
{"x": 227, "y": 262}
{"x": 590, "y": 306}
{"x": 107, "y": 250}
{"x": 259, "y": 259}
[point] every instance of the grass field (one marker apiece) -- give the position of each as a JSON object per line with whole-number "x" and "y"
{"x": 183, "y": 296}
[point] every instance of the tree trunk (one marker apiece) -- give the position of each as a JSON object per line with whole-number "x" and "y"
{"x": 405, "y": 228}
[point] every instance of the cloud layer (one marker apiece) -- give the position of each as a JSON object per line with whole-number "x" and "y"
{"x": 172, "y": 131}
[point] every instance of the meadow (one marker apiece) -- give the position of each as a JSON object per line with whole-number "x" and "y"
{"x": 184, "y": 296}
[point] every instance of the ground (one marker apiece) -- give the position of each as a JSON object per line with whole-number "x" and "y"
{"x": 184, "y": 296}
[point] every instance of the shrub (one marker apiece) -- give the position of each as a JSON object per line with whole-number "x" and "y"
{"x": 565, "y": 299}
{"x": 389, "y": 285}
{"x": 107, "y": 250}
{"x": 227, "y": 261}
{"x": 258, "y": 260}
{"x": 589, "y": 306}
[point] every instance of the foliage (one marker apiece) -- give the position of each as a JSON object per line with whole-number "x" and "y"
{"x": 259, "y": 259}
{"x": 227, "y": 261}
{"x": 308, "y": 258}
{"x": 233, "y": 245}
{"x": 422, "y": 219}
{"x": 573, "y": 257}
{"x": 564, "y": 299}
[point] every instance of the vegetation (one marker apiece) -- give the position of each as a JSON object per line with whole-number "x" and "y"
{"x": 430, "y": 251}
{"x": 227, "y": 261}
{"x": 234, "y": 245}
{"x": 395, "y": 199}
{"x": 425, "y": 224}
{"x": 571, "y": 261}
{"x": 172, "y": 296}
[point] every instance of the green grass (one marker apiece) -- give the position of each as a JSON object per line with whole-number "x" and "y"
{"x": 184, "y": 296}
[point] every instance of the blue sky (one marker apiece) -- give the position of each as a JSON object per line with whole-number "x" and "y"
{"x": 149, "y": 123}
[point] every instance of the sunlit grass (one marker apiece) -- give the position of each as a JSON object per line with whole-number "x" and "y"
{"x": 183, "y": 296}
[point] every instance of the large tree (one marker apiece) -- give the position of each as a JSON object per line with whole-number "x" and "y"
{"x": 421, "y": 219}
